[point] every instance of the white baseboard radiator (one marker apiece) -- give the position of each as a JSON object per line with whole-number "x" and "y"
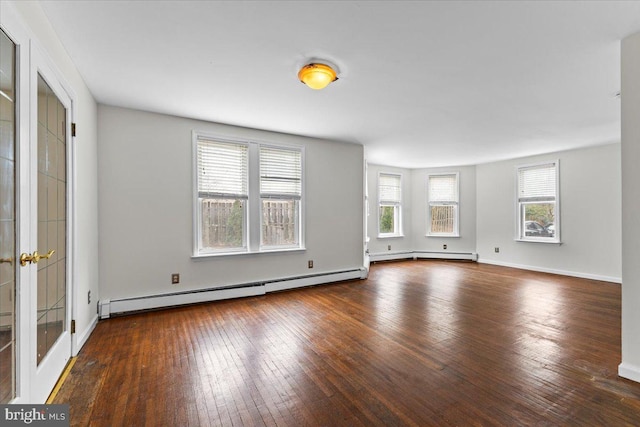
{"x": 107, "y": 308}
{"x": 389, "y": 256}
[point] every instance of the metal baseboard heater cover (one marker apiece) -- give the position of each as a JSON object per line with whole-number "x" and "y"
{"x": 388, "y": 256}
{"x": 121, "y": 306}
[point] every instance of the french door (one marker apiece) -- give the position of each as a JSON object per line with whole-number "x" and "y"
{"x": 8, "y": 222}
{"x": 48, "y": 221}
{"x": 35, "y": 309}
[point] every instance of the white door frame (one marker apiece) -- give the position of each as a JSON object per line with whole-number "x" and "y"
{"x": 31, "y": 59}
{"x": 11, "y": 25}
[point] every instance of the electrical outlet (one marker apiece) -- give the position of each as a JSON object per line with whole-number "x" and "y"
{"x": 388, "y": 247}
{"x": 175, "y": 278}
{"x": 496, "y": 249}
{"x": 444, "y": 246}
{"x": 310, "y": 263}
{"x": 89, "y": 297}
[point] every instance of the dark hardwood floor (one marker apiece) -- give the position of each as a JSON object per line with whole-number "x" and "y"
{"x": 419, "y": 343}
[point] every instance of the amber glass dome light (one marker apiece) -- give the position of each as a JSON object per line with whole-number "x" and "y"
{"x": 317, "y": 76}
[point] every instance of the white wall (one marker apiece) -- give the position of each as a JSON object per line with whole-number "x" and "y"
{"x": 86, "y": 199}
{"x": 590, "y": 212}
{"x": 145, "y": 200}
{"x": 630, "y": 366}
{"x": 467, "y": 212}
{"x": 378, "y": 245}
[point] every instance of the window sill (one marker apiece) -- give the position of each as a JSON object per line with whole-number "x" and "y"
{"x": 442, "y": 235}
{"x": 390, "y": 236}
{"x": 553, "y": 242}
{"x": 264, "y": 251}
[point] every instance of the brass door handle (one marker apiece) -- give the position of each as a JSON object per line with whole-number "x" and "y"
{"x": 25, "y": 259}
{"x": 37, "y": 257}
{"x": 34, "y": 258}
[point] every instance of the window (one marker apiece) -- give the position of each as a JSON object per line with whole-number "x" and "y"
{"x": 249, "y": 197}
{"x": 280, "y": 193}
{"x": 390, "y": 203}
{"x": 442, "y": 212}
{"x": 223, "y": 192}
{"x": 538, "y": 203}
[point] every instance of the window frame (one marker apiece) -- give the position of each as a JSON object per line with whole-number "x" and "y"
{"x": 253, "y": 213}
{"x": 397, "y": 208}
{"x": 521, "y": 202}
{"x": 456, "y": 203}
{"x": 198, "y": 250}
{"x": 281, "y": 197}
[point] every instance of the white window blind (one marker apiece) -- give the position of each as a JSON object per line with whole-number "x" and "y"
{"x": 389, "y": 188}
{"x": 280, "y": 172}
{"x": 442, "y": 213}
{"x": 538, "y": 203}
{"x": 222, "y": 169}
{"x": 443, "y": 188}
{"x": 537, "y": 182}
{"x": 389, "y": 205}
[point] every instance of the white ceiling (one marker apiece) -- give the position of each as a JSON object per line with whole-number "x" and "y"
{"x": 420, "y": 84}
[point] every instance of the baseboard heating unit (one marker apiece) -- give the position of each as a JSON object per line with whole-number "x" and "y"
{"x": 389, "y": 256}
{"x": 110, "y": 307}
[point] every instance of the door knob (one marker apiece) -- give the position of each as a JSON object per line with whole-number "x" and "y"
{"x": 25, "y": 259}
{"x": 37, "y": 257}
{"x": 34, "y": 258}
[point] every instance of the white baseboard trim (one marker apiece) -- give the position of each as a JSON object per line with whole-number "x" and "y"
{"x": 104, "y": 308}
{"x": 628, "y": 371}
{"x": 299, "y": 282}
{"x": 390, "y": 256}
{"x": 80, "y": 339}
{"x": 170, "y": 300}
{"x": 364, "y": 272}
{"x": 467, "y": 256}
{"x": 553, "y": 271}
{"x": 120, "y": 306}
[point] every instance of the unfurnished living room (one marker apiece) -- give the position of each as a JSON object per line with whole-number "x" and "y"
{"x": 331, "y": 213}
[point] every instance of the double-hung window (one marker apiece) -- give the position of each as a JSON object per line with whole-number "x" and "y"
{"x": 443, "y": 199}
{"x": 390, "y": 205}
{"x": 223, "y": 192}
{"x": 249, "y": 197}
{"x": 538, "y": 202}
{"x": 280, "y": 194}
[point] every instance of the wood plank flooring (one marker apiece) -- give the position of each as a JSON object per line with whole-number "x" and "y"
{"x": 419, "y": 343}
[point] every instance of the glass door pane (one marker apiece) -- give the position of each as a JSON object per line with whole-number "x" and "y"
{"x": 52, "y": 202}
{"x": 7, "y": 219}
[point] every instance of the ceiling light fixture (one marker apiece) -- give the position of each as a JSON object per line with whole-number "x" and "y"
{"x": 317, "y": 76}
